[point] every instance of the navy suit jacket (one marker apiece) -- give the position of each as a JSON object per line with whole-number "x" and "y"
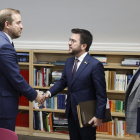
{"x": 87, "y": 84}
{"x": 12, "y": 84}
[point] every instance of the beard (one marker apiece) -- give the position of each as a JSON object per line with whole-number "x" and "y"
{"x": 15, "y": 35}
{"x": 75, "y": 51}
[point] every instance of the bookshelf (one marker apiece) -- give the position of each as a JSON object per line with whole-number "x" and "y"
{"x": 114, "y": 63}
{"x": 25, "y": 66}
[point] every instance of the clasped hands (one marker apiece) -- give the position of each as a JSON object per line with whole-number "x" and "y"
{"x": 41, "y": 98}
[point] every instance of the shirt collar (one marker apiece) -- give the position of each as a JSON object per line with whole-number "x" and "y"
{"x": 82, "y": 57}
{"x": 10, "y": 39}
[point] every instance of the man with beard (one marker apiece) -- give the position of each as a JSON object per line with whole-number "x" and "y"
{"x": 12, "y": 84}
{"x": 85, "y": 79}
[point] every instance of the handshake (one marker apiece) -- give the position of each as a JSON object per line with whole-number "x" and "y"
{"x": 41, "y": 98}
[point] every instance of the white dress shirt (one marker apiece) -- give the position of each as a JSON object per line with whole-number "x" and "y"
{"x": 80, "y": 60}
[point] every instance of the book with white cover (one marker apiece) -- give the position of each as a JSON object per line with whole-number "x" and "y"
{"x": 41, "y": 121}
{"x": 56, "y": 73}
{"x": 130, "y": 63}
{"x": 120, "y": 82}
{"x": 117, "y": 82}
{"x": 125, "y": 82}
{"x": 101, "y": 58}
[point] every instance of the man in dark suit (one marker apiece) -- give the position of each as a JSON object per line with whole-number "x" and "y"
{"x": 12, "y": 84}
{"x": 85, "y": 79}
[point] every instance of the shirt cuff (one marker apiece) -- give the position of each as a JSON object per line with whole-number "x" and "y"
{"x": 49, "y": 93}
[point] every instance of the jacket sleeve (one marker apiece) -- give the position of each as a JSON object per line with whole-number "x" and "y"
{"x": 10, "y": 69}
{"x": 60, "y": 85}
{"x": 98, "y": 77}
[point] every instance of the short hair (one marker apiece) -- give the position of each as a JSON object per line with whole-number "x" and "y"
{"x": 6, "y": 15}
{"x": 85, "y": 37}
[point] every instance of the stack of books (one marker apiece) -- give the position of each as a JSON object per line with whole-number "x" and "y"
{"x": 131, "y": 62}
{"x": 102, "y": 59}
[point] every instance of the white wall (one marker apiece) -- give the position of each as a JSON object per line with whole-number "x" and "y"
{"x": 115, "y": 24}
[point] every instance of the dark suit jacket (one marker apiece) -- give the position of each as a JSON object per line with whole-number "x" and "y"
{"x": 88, "y": 84}
{"x": 12, "y": 84}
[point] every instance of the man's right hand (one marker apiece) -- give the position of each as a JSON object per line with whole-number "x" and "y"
{"x": 40, "y": 98}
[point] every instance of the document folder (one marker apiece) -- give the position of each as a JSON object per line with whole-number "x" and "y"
{"x": 86, "y": 111}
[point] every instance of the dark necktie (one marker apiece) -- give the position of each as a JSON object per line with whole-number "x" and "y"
{"x": 12, "y": 44}
{"x": 75, "y": 67}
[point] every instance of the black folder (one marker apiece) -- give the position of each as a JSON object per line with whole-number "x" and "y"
{"x": 86, "y": 111}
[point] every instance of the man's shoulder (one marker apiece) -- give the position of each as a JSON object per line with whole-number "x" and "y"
{"x": 94, "y": 60}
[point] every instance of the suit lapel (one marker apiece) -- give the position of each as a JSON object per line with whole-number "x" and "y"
{"x": 81, "y": 67}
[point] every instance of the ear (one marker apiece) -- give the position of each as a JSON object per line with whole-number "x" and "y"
{"x": 7, "y": 25}
{"x": 83, "y": 47}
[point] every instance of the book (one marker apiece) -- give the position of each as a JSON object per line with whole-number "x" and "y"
{"x": 86, "y": 113}
{"x": 42, "y": 62}
{"x": 59, "y": 63}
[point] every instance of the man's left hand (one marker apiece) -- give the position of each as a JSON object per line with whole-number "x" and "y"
{"x": 95, "y": 121}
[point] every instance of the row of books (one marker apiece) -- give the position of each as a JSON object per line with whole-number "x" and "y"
{"x": 42, "y": 121}
{"x": 25, "y": 74}
{"x": 116, "y": 81}
{"x": 125, "y": 62}
{"x": 116, "y": 105}
{"x": 42, "y": 77}
{"x": 22, "y": 119}
{"x": 56, "y": 102}
{"x": 49, "y": 62}
{"x": 115, "y": 128}
{"x": 102, "y": 58}
{"x": 49, "y": 122}
{"x": 23, "y": 101}
{"x": 23, "y": 57}
{"x": 131, "y": 62}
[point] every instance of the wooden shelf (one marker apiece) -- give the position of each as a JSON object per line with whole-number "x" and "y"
{"x": 66, "y": 136}
{"x": 50, "y": 134}
{"x": 38, "y": 87}
{"x": 119, "y": 67}
{"x": 114, "y": 53}
{"x": 23, "y": 63}
{"x": 23, "y": 107}
{"x": 118, "y": 114}
{"x": 108, "y": 91}
{"x": 50, "y": 110}
{"x": 50, "y": 51}
{"x": 22, "y": 130}
{"x": 45, "y": 65}
{"x": 115, "y": 91}
{"x": 105, "y": 136}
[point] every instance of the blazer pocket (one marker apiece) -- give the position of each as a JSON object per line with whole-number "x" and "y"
{"x": 9, "y": 93}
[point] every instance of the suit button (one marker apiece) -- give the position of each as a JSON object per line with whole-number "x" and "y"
{"x": 71, "y": 91}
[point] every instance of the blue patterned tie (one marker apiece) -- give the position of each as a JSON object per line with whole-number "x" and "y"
{"x": 75, "y": 67}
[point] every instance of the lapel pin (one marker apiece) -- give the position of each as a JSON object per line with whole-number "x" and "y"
{"x": 85, "y": 62}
